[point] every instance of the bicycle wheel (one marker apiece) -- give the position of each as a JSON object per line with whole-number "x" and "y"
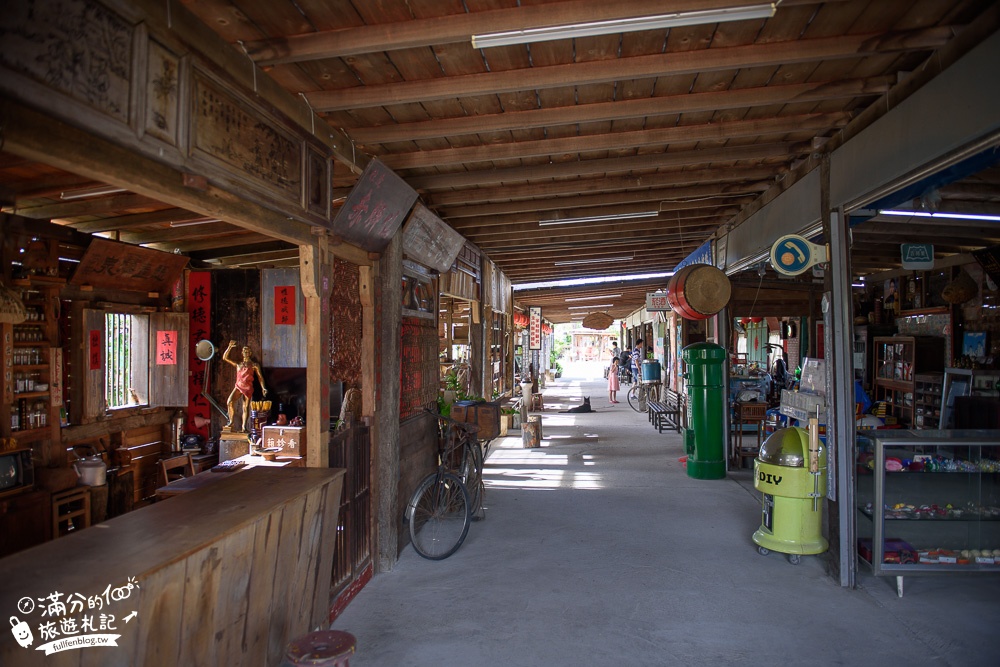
{"x": 439, "y": 515}
{"x": 472, "y": 475}
{"x": 653, "y": 392}
{"x": 637, "y": 398}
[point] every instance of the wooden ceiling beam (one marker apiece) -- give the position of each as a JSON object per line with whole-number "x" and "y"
{"x": 717, "y": 131}
{"x": 623, "y": 109}
{"x": 216, "y": 242}
{"x": 749, "y": 179}
{"x": 483, "y": 230}
{"x": 94, "y": 206}
{"x": 733, "y": 193}
{"x": 174, "y": 235}
{"x": 697, "y": 61}
{"x": 136, "y": 219}
{"x": 574, "y": 168}
{"x": 457, "y": 28}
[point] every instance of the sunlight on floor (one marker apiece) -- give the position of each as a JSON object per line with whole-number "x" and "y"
{"x": 536, "y": 469}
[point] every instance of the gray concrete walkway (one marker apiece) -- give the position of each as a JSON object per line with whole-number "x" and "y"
{"x": 597, "y": 549}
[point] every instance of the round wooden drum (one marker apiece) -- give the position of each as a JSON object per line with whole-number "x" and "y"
{"x": 698, "y": 291}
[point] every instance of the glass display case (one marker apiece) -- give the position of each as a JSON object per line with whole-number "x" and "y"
{"x": 928, "y": 501}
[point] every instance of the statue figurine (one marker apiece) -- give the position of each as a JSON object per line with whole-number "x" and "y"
{"x": 245, "y": 371}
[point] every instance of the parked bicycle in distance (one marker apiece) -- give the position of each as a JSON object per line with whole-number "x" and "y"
{"x": 442, "y": 507}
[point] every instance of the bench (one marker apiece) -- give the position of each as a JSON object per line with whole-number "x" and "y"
{"x": 666, "y": 413}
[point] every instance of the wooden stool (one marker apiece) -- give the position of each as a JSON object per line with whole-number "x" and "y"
{"x": 323, "y": 648}
{"x": 536, "y": 403}
{"x": 747, "y": 413}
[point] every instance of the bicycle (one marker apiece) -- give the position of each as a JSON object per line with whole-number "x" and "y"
{"x": 441, "y": 508}
{"x": 641, "y": 393}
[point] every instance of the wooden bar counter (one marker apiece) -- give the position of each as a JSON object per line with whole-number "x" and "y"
{"x": 224, "y": 575}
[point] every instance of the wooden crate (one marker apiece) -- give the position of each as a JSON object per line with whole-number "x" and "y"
{"x": 484, "y": 415}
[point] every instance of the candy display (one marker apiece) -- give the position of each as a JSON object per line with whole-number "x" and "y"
{"x": 925, "y": 463}
{"x": 936, "y": 512}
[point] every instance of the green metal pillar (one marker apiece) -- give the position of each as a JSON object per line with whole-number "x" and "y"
{"x": 705, "y": 437}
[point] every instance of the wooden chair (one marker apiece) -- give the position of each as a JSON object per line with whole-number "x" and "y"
{"x": 176, "y": 467}
{"x": 747, "y": 413}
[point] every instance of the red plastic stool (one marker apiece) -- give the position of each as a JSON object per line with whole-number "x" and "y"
{"x": 323, "y": 648}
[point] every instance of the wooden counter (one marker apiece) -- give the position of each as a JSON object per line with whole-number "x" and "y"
{"x": 227, "y": 574}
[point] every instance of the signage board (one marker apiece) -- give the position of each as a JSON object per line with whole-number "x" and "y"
{"x": 657, "y": 302}
{"x": 793, "y": 254}
{"x": 917, "y": 255}
{"x": 534, "y": 328}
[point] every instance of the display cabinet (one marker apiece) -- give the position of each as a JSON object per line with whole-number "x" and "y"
{"x": 927, "y": 399}
{"x": 898, "y": 360}
{"x": 32, "y": 366}
{"x": 928, "y": 501}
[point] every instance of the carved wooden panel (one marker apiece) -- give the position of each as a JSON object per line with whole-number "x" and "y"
{"x": 317, "y": 190}
{"x": 113, "y": 265}
{"x": 375, "y": 208}
{"x": 162, "y": 93}
{"x": 418, "y": 366}
{"x": 224, "y": 130}
{"x": 345, "y": 325}
{"x": 75, "y": 47}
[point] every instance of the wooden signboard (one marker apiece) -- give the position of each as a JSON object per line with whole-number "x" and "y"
{"x": 429, "y": 240}
{"x": 112, "y": 265}
{"x": 282, "y": 319}
{"x": 375, "y": 208}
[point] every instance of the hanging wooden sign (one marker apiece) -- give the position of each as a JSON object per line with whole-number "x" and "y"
{"x": 429, "y": 240}
{"x": 375, "y": 208}
{"x": 112, "y": 265}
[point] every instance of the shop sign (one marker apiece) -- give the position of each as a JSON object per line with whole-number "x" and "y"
{"x": 793, "y": 254}
{"x": 657, "y": 302}
{"x": 917, "y": 255}
{"x": 534, "y": 328}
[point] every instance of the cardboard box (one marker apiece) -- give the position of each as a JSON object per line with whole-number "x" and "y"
{"x": 291, "y": 440}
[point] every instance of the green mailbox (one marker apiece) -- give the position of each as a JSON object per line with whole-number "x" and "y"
{"x": 705, "y": 437}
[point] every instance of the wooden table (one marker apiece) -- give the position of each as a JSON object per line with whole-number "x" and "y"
{"x": 208, "y": 477}
{"x": 227, "y": 575}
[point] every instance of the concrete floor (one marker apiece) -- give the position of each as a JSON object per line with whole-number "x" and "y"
{"x": 597, "y": 549}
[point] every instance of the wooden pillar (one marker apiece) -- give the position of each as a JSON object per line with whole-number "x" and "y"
{"x": 316, "y": 274}
{"x": 385, "y": 436}
{"x": 477, "y": 346}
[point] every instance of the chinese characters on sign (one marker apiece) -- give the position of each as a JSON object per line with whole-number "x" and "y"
{"x": 95, "y": 350}
{"x": 166, "y": 348}
{"x": 199, "y": 307}
{"x": 534, "y": 328}
{"x": 284, "y": 304}
{"x": 657, "y": 301}
{"x": 375, "y": 208}
{"x": 73, "y": 621}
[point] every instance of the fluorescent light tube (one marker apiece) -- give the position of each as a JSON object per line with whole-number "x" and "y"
{"x": 593, "y": 261}
{"x": 90, "y": 192}
{"x": 597, "y": 305}
{"x": 591, "y": 298}
{"x": 193, "y": 222}
{"x": 956, "y": 216}
{"x": 599, "y": 218}
{"x": 632, "y": 24}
